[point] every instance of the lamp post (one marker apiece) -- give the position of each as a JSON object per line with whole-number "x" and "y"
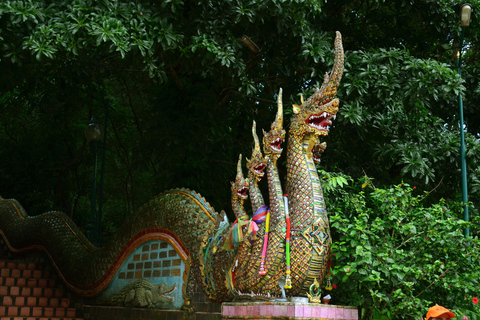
{"x": 464, "y": 22}
{"x": 94, "y": 136}
{"x": 102, "y": 171}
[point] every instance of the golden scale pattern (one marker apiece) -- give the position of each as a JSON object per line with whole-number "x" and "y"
{"x": 310, "y": 237}
{"x": 247, "y": 276}
{"x": 257, "y": 159}
{"x": 255, "y": 197}
{"x": 248, "y": 279}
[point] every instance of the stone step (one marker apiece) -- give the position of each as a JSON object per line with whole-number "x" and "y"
{"x": 28, "y": 282}
{"x": 26, "y": 274}
{"x": 18, "y": 270}
{"x": 20, "y": 265}
{"x": 30, "y": 291}
{"x": 35, "y": 292}
{"x": 35, "y": 302}
{"x": 37, "y": 312}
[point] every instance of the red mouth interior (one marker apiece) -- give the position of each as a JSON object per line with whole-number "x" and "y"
{"x": 242, "y": 192}
{"x": 319, "y": 122}
{"x": 259, "y": 168}
{"x": 276, "y": 144}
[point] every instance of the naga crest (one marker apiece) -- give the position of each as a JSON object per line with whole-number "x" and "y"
{"x": 272, "y": 140}
{"x": 315, "y": 114}
{"x": 258, "y": 163}
{"x": 240, "y": 186}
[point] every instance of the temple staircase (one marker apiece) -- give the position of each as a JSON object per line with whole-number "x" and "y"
{"x": 30, "y": 290}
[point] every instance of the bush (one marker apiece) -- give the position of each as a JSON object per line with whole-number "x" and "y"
{"x": 394, "y": 256}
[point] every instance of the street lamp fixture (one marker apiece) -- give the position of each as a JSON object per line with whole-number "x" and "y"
{"x": 465, "y": 14}
{"x": 93, "y": 131}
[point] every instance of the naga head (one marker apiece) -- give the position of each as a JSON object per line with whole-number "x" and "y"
{"x": 272, "y": 140}
{"x": 240, "y": 186}
{"x": 315, "y": 115}
{"x": 317, "y": 151}
{"x": 257, "y": 164}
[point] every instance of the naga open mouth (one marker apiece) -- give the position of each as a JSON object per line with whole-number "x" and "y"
{"x": 317, "y": 156}
{"x": 321, "y": 122}
{"x": 242, "y": 192}
{"x": 258, "y": 169}
{"x": 276, "y": 145}
{"x": 317, "y": 151}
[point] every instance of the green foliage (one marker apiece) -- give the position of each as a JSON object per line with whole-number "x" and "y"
{"x": 471, "y": 315}
{"x": 43, "y": 29}
{"x": 395, "y": 256}
{"x": 390, "y": 96}
{"x": 333, "y": 180}
{"x": 184, "y": 91}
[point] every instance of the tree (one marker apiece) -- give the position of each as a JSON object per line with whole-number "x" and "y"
{"x": 184, "y": 91}
{"x": 396, "y": 256}
{"x": 179, "y": 80}
{"x": 400, "y": 95}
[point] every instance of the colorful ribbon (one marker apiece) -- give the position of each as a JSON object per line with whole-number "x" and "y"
{"x": 235, "y": 236}
{"x": 288, "y": 279}
{"x": 258, "y": 217}
{"x": 262, "y": 270}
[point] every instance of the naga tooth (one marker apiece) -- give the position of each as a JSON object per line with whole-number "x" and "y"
{"x": 334, "y": 116}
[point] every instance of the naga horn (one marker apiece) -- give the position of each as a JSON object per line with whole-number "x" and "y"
{"x": 328, "y": 90}
{"x": 255, "y": 138}
{"x": 278, "y": 123}
{"x": 239, "y": 168}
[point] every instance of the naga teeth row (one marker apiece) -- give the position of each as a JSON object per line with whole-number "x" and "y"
{"x": 327, "y": 115}
{"x": 318, "y": 127}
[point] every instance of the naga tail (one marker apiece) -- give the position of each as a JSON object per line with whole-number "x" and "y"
{"x": 179, "y": 217}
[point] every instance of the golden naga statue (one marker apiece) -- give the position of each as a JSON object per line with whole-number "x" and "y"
{"x": 288, "y": 239}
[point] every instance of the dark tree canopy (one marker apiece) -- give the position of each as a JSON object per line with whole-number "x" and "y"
{"x": 183, "y": 91}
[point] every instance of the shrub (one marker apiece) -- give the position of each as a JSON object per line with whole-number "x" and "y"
{"x": 395, "y": 256}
